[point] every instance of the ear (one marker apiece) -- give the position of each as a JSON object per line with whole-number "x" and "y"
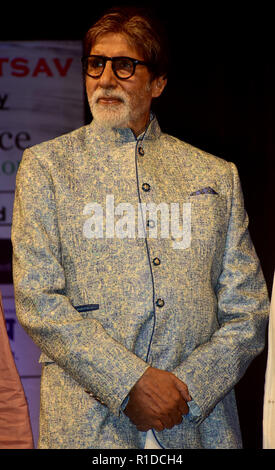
{"x": 158, "y": 85}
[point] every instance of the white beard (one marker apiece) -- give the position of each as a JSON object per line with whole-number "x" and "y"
{"x": 130, "y": 108}
{"x": 110, "y": 115}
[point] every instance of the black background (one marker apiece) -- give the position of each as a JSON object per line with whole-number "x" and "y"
{"x": 220, "y": 97}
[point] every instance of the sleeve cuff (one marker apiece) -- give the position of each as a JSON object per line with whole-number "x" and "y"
{"x": 124, "y": 403}
{"x": 194, "y": 415}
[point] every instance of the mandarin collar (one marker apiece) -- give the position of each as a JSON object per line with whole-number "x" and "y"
{"x": 124, "y": 135}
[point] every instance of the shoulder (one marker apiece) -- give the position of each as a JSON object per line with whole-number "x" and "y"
{"x": 195, "y": 159}
{"x": 75, "y": 138}
{"x": 47, "y": 158}
{"x": 54, "y": 153}
{"x": 195, "y": 154}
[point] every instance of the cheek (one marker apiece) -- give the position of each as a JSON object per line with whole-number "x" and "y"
{"x": 142, "y": 97}
{"x": 138, "y": 91}
{"x": 90, "y": 87}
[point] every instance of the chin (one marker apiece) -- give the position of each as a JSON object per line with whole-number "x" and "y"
{"x": 111, "y": 117}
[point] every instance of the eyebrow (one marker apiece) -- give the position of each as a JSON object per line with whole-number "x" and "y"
{"x": 120, "y": 54}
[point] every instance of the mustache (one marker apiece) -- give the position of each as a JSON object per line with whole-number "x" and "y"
{"x": 108, "y": 93}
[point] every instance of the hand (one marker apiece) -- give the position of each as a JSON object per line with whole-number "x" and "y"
{"x": 157, "y": 400}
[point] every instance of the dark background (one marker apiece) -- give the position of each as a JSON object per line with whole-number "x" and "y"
{"x": 220, "y": 97}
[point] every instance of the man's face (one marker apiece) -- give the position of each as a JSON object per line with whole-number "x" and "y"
{"x": 121, "y": 103}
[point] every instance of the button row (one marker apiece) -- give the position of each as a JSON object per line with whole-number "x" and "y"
{"x": 150, "y": 223}
{"x": 146, "y": 186}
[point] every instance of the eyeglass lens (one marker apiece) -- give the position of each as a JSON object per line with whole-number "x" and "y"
{"x": 122, "y": 67}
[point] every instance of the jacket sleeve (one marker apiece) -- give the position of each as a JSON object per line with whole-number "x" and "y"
{"x": 80, "y": 346}
{"x": 214, "y": 367}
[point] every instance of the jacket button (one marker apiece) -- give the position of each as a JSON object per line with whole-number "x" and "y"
{"x": 160, "y": 303}
{"x": 141, "y": 151}
{"x": 150, "y": 223}
{"x": 146, "y": 187}
{"x": 156, "y": 261}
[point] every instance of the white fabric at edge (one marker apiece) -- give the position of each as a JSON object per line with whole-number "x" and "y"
{"x": 151, "y": 442}
{"x": 269, "y": 393}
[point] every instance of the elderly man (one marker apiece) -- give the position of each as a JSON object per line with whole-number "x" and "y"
{"x": 144, "y": 329}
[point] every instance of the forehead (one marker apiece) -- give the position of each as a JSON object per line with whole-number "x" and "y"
{"x": 114, "y": 44}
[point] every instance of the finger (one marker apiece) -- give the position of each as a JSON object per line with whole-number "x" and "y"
{"x": 179, "y": 419}
{"x": 141, "y": 427}
{"x": 183, "y": 389}
{"x": 158, "y": 426}
{"x": 183, "y": 408}
{"x": 172, "y": 418}
{"x": 168, "y": 421}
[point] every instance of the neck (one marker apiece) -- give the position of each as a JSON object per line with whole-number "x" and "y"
{"x": 137, "y": 130}
{"x": 140, "y": 131}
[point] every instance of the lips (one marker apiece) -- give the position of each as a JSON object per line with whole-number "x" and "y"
{"x": 109, "y": 100}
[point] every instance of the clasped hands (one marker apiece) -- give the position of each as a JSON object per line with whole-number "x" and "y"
{"x": 157, "y": 401}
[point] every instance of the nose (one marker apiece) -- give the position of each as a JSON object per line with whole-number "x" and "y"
{"x": 108, "y": 78}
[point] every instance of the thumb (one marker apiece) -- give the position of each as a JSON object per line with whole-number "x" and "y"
{"x": 183, "y": 389}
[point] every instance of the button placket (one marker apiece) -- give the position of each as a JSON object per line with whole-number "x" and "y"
{"x": 146, "y": 187}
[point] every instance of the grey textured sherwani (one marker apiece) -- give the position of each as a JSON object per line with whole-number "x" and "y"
{"x": 103, "y": 308}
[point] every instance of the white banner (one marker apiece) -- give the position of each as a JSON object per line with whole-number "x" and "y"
{"x": 41, "y": 97}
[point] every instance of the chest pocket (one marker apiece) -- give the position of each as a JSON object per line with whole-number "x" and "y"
{"x": 85, "y": 309}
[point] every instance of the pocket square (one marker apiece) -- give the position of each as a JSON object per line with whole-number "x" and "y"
{"x": 207, "y": 190}
{"x": 86, "y": 308}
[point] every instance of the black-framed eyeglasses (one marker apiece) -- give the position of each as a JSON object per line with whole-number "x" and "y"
{"x": 123, "y": 67}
